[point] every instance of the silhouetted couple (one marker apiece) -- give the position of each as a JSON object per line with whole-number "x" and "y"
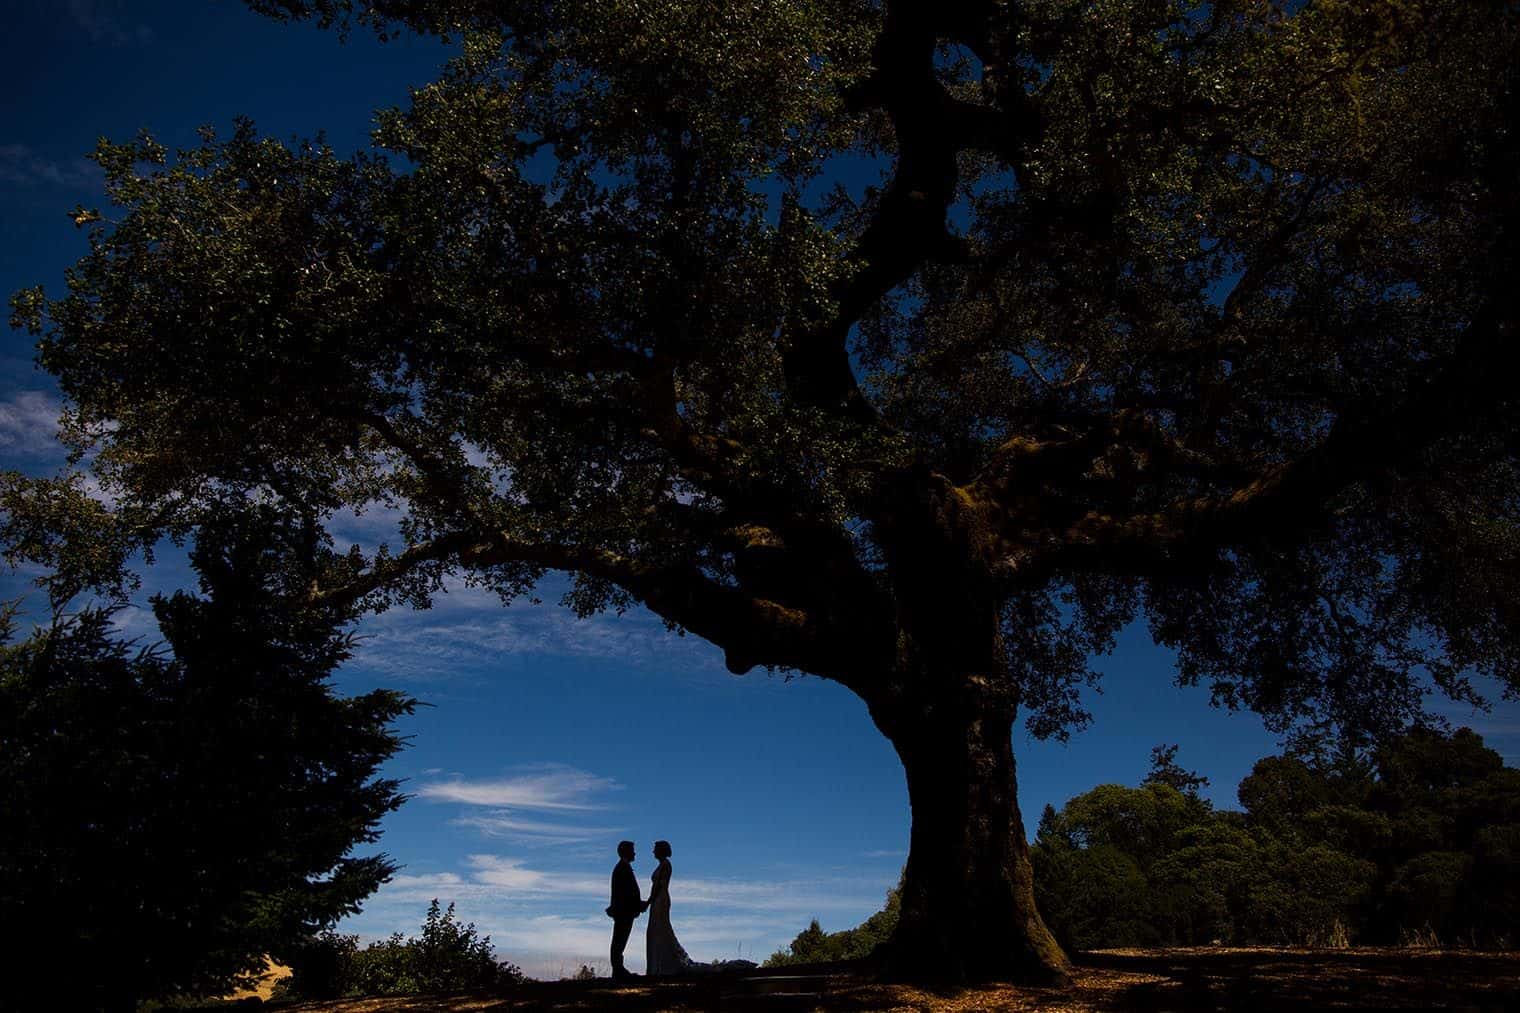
{"x": 663, "y": 952}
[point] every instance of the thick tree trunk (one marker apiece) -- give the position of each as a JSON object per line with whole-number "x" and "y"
{"x": 968, "y": 911}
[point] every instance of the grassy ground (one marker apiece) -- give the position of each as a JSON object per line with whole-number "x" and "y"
{"x": 1215, "y": 978}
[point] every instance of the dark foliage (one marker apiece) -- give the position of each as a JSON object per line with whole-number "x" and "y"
{"x": 1415, "y": 839}
{"x": 815, "y": 946}
{"x": 1166, "y": 770}
{"x": 172, "y": 815}
{"x": 448, "y": 957}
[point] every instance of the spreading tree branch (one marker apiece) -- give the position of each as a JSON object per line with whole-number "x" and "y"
{"x": 931, "y": 128}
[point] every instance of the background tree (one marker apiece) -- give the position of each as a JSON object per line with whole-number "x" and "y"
{"x": 1200, "y": 311}
{"x": 171, "y": 817}
{"x": 1166, "y": 770}
{"x": 1440, "y": 816}
{"x": 1411, "y": 840}
{"x": 814, "y": 946}
{"x": 1106, "y": 869}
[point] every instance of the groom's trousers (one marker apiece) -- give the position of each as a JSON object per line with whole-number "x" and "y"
{"x": 621, "y": 927}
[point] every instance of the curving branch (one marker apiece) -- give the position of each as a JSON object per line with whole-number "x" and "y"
{"x": 751, "y": 629}
{"x": 388, "y": 571}
{"x": 908, "y": 229}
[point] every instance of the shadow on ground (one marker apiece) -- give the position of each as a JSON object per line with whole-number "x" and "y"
{"x": 1223, "y": 979}
{"x": 1275, "y": 979}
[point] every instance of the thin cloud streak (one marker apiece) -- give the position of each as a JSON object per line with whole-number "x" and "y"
{"x": 29, "y": 418}
{"x": 556, "y": 789}
{"x": 22, "y": 165}
{"x": 104, "y": 22}
{"x": 469, "y": 628}
{"x": 513, "y": 876}
{"x": 552, "y": 792}
{"x": 533, "y": 832}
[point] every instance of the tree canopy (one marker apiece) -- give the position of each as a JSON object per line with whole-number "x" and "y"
{"x": 171, "y": 816}
{"x": 1415, "y": 840}
{"x": 1201, "y": 313}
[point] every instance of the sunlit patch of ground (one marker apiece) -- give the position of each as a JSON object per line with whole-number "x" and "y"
{"x": 1209, "y": 978}
{"x": 263, "y": 988}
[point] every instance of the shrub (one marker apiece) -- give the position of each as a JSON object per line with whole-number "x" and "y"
{"x": 449, "y": 957}
{"x": 319, "y": 967}
{"x": 815, "y": 946}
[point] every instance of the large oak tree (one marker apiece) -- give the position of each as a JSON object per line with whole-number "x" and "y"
{"x": 1201, "y": 312}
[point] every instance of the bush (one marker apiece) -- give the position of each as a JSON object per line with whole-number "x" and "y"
{"x": 319, "y": 967}
{"x": 815, "y": 946}
{"x": 449, "y": 957}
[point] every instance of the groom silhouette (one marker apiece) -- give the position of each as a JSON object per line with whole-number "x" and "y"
{"x": 627, "y": 904}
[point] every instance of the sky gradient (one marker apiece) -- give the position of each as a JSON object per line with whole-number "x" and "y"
{"x": 545, "y": 739}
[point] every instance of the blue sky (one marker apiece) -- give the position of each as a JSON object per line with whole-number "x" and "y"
{"x": 546, "y": 739}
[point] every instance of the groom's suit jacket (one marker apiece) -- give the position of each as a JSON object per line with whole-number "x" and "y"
{"x": 627, "y": 902}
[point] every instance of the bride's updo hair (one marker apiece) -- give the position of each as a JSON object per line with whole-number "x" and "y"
{"x": 662, "y": 849}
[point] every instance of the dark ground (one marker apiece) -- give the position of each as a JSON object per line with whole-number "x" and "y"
{"x": 1186, "y": 980}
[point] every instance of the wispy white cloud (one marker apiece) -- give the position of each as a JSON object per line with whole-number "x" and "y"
{"x": 555, "y": 796}
{"x": 107, "y": 21}
{"x": 814, "y": 896}
{"x": 21, "y": 164}
{"x": 468, "y": 629}
{"x": 505, "y": 825}
{"x": 96, "y": 490}
{"x": 368, "y": 527}
{"x": 138, "y": 624}
{"x": 553, "y": 946}
{"x": 553, "y": 787}
{"x": 29, "y": 419}
{"x": 513, "y": 876}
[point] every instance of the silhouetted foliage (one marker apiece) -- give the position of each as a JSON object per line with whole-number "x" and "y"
{"x": 171, "y": 815}
{"x": 1438, "y": 814}
{"x": 1166, "y": 770}
{"x": 1195, "y": 311}
{"x": 1414, "y": 838}
{"x": 448, "y": 957}
{"x": 321, "y": 966}
{"x": 815, "y": 946}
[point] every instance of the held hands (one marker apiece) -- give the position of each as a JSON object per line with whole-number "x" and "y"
{"x": 644, "y": 905}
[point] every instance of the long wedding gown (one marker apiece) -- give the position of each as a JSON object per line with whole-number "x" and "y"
{"x": 662, "y": 949}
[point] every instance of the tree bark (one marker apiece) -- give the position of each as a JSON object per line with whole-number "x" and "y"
{"x": 968, "y": 911}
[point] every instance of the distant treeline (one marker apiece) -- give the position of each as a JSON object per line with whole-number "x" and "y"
{"x": 1416, "y": 840}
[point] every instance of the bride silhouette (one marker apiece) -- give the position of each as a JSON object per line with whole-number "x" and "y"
{"x": 663, "y": 951}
